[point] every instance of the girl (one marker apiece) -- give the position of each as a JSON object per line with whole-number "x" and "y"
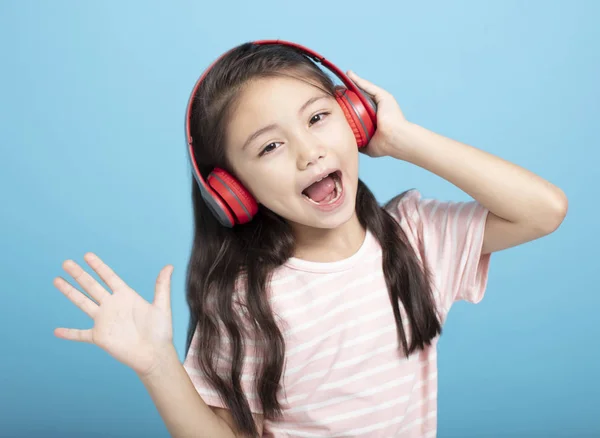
{"x": 314, "y": 311}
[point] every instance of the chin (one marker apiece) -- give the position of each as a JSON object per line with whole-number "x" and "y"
{"x": 337, "y": 220}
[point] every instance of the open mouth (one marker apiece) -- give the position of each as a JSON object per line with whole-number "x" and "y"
{"x": 325, "y": 191}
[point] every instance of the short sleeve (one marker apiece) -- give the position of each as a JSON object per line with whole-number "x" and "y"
{"x": 248, "y": 376}
{"x": 450, "y": 235}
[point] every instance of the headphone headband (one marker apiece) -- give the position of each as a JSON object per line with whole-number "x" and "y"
{"x": 308, "y": 52}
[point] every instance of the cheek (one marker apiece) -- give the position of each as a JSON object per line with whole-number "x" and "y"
{"x": 345, "y": 142}
{"x": 251, "y": 174}
{"x": 342, "y": 134}
{"x": 269, "y": 187}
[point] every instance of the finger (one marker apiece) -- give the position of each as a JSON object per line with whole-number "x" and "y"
{"x": 370, "y": 88}
{"x": 78, "y": 298}
{"x": 112, "y": 280}
{"x": 87, "y": 282}
{"x": 162, "y": 291}
{"x": 74, "y": 334}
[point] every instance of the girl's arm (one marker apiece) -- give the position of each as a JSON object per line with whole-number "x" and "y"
{"x": 143, "y": 343}
{"x": 182, "y": 409}
{"x": 522, "y": 205}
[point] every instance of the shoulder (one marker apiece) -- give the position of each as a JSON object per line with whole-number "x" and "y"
{"x": 407, "y": 208}
{"x": 408, "y": 205}
{"x": 443, "y": 228}
{"x": 407, "y": 200}
{"x": 429, "y": 214}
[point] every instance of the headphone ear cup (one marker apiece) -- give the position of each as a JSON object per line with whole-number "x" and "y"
{"x": 238, "y": 199}
{"x": 356, "y": 114}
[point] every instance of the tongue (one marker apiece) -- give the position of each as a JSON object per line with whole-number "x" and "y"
{"x": 320, "y": 190}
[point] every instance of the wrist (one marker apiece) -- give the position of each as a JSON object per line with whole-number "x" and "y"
{"x": 166, "y": 358}
{"x": 403, "y": 144}
{"x": 410, "y": 143}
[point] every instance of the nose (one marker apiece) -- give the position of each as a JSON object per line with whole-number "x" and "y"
{"x": 310, "y": 151}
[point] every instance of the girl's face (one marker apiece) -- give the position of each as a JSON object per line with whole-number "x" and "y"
{"x": 283, "y": 135}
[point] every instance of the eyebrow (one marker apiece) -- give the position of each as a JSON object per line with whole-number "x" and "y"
{"x": 275, "y": 125}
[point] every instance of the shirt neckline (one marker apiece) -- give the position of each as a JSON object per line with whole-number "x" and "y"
{"x": 329, "y": 267}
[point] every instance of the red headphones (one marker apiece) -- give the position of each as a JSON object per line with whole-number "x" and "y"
{"x": 226, "y": 197}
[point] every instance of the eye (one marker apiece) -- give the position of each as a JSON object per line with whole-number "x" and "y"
{"x": 315, "y": 119}
{"x": 268, "y": 148}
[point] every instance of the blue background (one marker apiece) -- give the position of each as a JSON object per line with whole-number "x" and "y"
{"x": 93, "y": 159}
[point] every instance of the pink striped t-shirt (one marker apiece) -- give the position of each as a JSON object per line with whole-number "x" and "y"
{"x": 343, "y": 373}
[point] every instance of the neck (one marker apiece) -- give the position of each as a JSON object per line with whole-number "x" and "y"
{"x": 329, "y": 245}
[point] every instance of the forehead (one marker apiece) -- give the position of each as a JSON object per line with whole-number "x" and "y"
{"x": 280, "y": 89}
{"x": 269, "y": 100}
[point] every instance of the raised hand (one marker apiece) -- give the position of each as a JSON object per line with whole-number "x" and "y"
{"x": 132, "y": 330}
{"x": 390, "y": 120}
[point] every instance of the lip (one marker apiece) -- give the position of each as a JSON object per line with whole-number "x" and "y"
{"x": 321, "y": 176}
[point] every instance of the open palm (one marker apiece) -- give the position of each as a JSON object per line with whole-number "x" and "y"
{"x": 128, "y": 327}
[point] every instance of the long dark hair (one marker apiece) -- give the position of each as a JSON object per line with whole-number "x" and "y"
{"x": 222, "y": 256}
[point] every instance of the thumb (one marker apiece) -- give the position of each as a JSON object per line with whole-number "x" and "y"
{"x": 162, "y": 290}
{"x": 373, "y": 90}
